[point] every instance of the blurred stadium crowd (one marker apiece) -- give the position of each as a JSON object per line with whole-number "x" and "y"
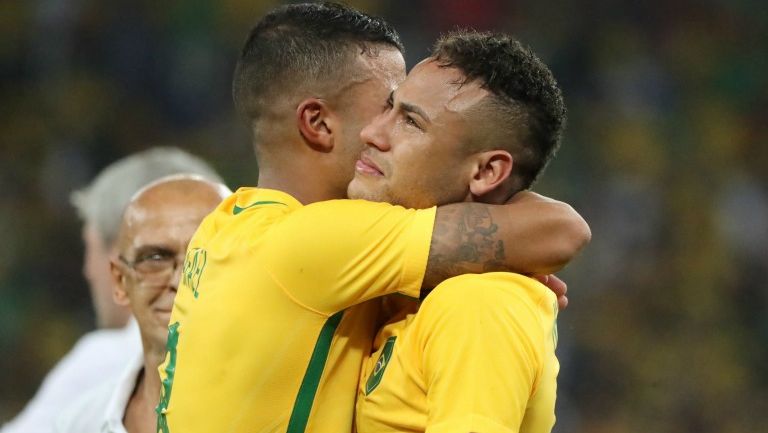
{"x": 665, "y": 154}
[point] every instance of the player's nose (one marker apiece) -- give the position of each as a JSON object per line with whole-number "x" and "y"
{"x": 374, "y": 134}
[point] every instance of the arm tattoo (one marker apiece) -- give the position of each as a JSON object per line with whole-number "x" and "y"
{"x": 465, "y": 240}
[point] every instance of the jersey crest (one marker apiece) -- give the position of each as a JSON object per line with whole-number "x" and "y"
{"x": 381, "y": 365}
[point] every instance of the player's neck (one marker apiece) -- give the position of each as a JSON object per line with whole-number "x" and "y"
{"x": 305, "y": 186}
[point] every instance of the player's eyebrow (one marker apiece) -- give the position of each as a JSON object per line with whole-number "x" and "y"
{"x": 410, "y": 108}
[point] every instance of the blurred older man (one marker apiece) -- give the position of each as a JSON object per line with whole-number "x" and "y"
{"x": 102, "y": 353}
{"x": 157, "y": 226}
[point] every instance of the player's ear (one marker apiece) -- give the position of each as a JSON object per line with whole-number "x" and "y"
{"x": 117, "y": 269}
{"x": 490, "y": 170}
{"x": 314, "y": 120}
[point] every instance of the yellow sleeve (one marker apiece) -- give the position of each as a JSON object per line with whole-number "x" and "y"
{"x": 331, "y": 255}
{"x": 478, "y": 362}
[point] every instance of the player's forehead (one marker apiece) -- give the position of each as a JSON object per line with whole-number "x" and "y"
{"x": 437, "y": 87}
{"x": 382, "y": 63}
{"x": 373, "y": 76}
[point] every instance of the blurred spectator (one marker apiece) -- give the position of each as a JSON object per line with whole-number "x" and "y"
{"x": 156, "y": 228}
{"x": 102, "y": 354}
{"x": 101, "y": 205}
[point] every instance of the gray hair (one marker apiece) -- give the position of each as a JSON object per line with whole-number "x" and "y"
{"x": 102, "y": 202}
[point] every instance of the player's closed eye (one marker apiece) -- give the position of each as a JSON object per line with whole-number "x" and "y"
{"x": 409, "y": 120}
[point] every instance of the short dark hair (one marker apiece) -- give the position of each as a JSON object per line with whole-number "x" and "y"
{"x": 303, "y": 43}
{"x": 527, "y": 101}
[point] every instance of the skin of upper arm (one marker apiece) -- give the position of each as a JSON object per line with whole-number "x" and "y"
{"x": 533, "y": 236}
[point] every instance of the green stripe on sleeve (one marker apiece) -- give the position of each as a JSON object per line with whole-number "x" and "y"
{"x": 306, "y": 396}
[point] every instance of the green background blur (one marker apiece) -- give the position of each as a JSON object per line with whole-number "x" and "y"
{"x": 665, "y": 155}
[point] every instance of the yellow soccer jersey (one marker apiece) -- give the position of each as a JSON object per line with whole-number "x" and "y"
{"x": 271, "y": 326}
{"x": 479, "y": 356}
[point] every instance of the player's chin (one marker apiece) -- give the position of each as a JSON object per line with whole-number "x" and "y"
{"x": 365, "y": 188}
{"x": 358, "y": 188}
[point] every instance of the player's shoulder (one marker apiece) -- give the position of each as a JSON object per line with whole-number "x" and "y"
{"x": 489, "y": 287}
{"x": 247, "y": 202}
{"x": 241, "y": 213}
{"x": 490, "y": 292}
{"x": 356, "y": 215}
{"x": 346, "y": 207}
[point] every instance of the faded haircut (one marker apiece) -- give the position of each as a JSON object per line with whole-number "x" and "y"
{"x": 309, "y": 44}
{"x": 102, "y": 202}
{"x": 526, "y": 112}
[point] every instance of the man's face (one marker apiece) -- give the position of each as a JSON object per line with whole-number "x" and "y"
{"x": 151, "y": 259}
{"x": 362, "y": 100}
{"x": 417, "y": 155}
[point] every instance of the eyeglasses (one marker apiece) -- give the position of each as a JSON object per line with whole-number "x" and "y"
{"x": 154, "y": 268}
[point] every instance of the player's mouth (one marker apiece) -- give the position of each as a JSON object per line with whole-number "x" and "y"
{"x": 365, "y": 166}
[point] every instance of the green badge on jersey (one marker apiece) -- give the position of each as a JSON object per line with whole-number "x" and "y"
{"x": 194, "y": 264}
{"x": 381, "y": 365}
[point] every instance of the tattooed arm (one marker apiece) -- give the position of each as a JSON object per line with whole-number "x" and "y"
{"x": 531, "y": 234}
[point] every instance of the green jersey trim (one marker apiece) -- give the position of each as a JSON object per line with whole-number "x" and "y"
{"x": 237, "y": 209}
{"x": 170, "y": 370}
{"x": 306, "y": 396}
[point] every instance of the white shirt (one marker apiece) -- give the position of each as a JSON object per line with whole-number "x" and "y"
{"x": 97, "y": 357}
{"x": 101, "y": 410}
